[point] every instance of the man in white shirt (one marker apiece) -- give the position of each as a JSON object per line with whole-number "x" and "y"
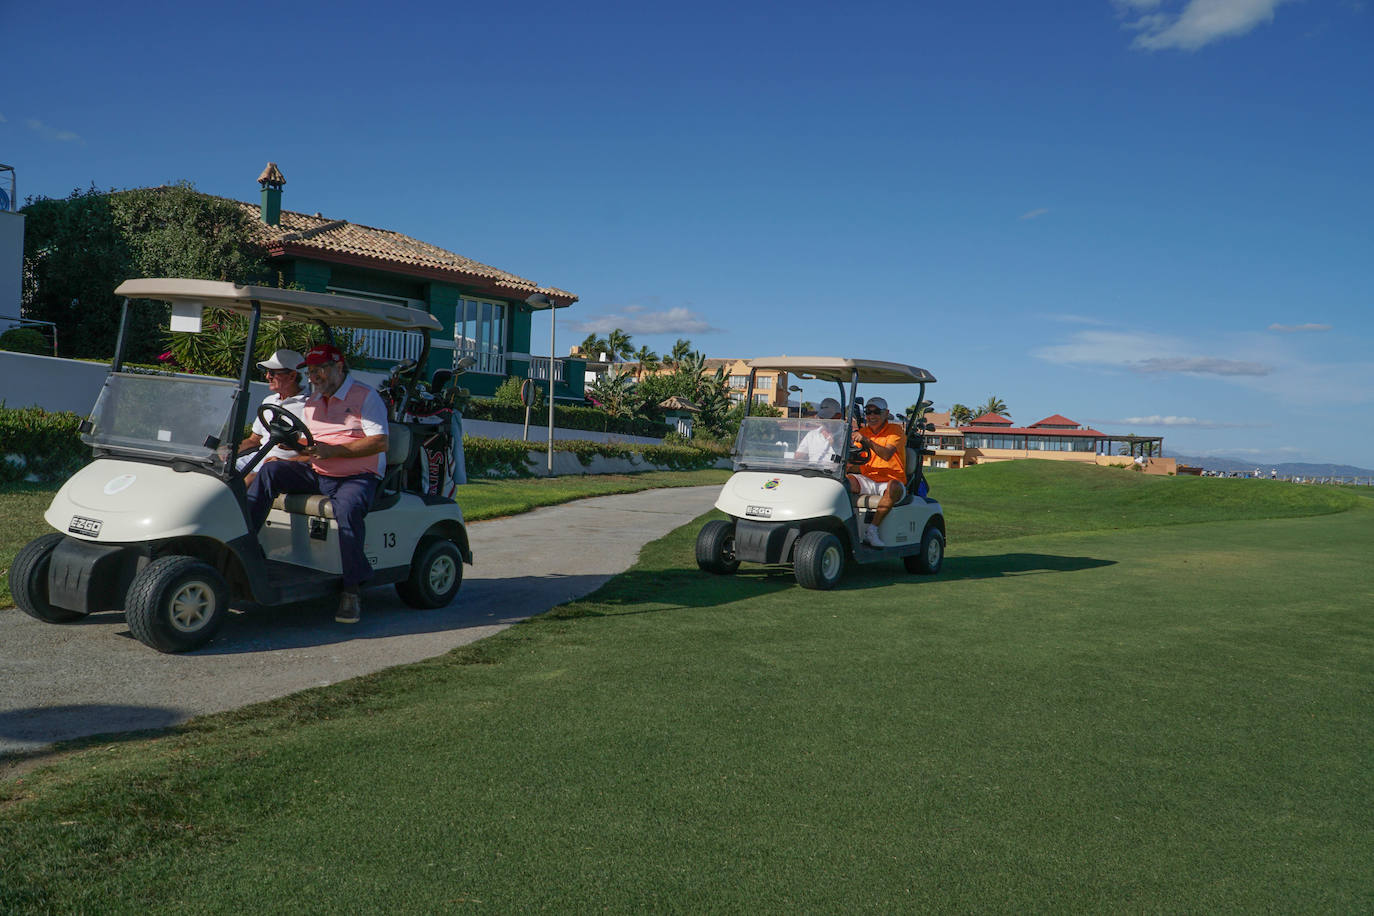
{"x": 818, "y": 446}
{"x": 284, "y": 381}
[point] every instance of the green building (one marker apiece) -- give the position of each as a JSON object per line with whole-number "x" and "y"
{"x": 483, "y": 309}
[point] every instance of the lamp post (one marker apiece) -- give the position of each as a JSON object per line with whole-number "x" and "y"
{"x": 538, "y": 302}
{"x": 797, "y": 389}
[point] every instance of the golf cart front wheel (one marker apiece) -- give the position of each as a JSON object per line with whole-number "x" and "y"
{"x": 931, "y": 557}
{"x": 818, "y": 560}
{"x": 716, "y": 548}
{"x": 29, "y": 581}
{"x": 435, "y": 575}
{"x": 176, "y": 604}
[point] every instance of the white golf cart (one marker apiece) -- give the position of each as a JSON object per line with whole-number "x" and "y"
{"x": 789, "y": 501}
{"x": 156, "y": 524}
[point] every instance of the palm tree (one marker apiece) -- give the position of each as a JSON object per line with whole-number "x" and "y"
{"x": 679, "y": 352}
{"x": 647, "y": 359}
{"x": 995, "y": 405}
{"x": 618, "y": 343}
{"x": 960, "y": 414}
{"x": 594, "y": 345}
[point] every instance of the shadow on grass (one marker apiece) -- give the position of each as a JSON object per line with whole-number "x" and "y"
{"x": 25, "y": 731}
{"x": 999, "y": 565}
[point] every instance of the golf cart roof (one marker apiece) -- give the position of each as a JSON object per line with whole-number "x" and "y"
{"x": 840, "y": 369}
{"x": 283, "y": 304}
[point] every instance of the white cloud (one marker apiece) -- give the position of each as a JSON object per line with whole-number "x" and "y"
{"x": 1178, "y": 423}
{"x": 1034, "y": 214}
{"x": 1197, "y": 24}
{"x": 1143, "y": 352}
{"x": 1294, "y": 328}
{"x": 636, "y": 319}
{"x": 52, "y": 133}
{"x": 3, "y": 119}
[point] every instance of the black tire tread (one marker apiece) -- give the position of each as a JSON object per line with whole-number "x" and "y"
{"x": 415, "y": 590}
{"x": 710, "y": 548}
{"x": 28, "y": 580}
{"x": 806, "y": 563}
{"x": 142, "y": 605}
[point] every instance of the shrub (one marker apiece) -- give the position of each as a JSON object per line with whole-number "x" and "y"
{"x": 45, "y": 444}
{"x": 588, "y": 418}
{"x": 508, "y": 395}
{"x": 25, "y": 340}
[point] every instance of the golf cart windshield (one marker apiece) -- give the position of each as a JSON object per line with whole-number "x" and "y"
{"x": 790, "y": 444}
{"x": 174, "y": 417}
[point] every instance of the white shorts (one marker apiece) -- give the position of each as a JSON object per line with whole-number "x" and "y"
{"x": 869, "y": 487}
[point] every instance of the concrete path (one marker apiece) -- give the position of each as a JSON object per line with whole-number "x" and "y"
{"x": 92, "y": 677}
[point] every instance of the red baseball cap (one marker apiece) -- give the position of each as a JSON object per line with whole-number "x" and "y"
{"x": 322, "y": 354}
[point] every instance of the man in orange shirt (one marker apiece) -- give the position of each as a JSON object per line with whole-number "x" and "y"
{"x": 885, "y": 471}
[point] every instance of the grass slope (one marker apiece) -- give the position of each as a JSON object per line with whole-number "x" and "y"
{"x": 1142, "y": 719}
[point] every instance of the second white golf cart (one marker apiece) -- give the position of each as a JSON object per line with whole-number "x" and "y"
{"x": 788, "y": 506}
{"x": 157, "y": 525}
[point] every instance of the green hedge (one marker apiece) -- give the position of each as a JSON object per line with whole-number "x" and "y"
{"x": 588, "y": 418}
{"x": 34, "y": 441}
{"x": 512, "y": 458}
{"x": 47, "y": 445}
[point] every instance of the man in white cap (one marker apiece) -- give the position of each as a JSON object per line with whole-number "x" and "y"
{"x": 885, "y": 471}
{"x": 284, "y": 381}
{"x": 818, "y": 446}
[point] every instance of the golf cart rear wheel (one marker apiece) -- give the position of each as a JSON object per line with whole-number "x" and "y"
{"x": 716, "y": 548}
{"x": 818, "y": 560}
{"x": 435, "y": 575}
{"x": 931, "y": 557}
{"x": 176, "y": 604}
{"x": 29, "y": 581}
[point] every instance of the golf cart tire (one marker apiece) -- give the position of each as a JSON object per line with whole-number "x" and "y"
{"x": 436, "y": 574}
{"x": 716, "y": 548}
{"x": 819, "y": 560}
{"x": 932, "y": 555}
{"x": 29, "y": 581}
{"x": 176, "y": 604}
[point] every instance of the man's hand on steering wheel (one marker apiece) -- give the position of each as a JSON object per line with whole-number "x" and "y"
{"x": 285, "y": 428}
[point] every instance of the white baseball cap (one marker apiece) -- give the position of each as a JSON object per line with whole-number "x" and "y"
{"x": 282, "y": 359}
{"x": 876, "y": 402}
{"x": 829, "y": 409}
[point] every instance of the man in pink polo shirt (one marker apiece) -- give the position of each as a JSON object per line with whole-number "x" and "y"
{"x": 349, "y": 423}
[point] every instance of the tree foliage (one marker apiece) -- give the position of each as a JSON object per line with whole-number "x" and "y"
{"x": 995, "y": 405}
{"x": 77, "y": 250}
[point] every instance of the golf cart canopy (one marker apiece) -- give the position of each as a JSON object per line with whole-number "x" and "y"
{"x": 282, "y": 304}
{"x": 839, "y": 369}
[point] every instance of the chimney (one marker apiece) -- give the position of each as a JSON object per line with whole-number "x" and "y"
{"x": 271, "y": 181}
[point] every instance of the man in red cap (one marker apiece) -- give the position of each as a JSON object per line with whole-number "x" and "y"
{"x": 349, "y": 423}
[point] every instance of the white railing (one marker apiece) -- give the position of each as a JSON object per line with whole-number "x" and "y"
{"x": 539, "y": 369}
{"x": 487, "y": 361}
{"x": 390, "y": 345}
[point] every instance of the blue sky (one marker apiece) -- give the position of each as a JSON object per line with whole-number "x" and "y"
{"x": 1151, "y": 216}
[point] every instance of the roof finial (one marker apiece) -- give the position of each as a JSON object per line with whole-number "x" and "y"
{"x": 272, "y": 177}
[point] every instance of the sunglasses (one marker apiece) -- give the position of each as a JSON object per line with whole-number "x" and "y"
{"x": 869, "y": 410}
{"x": 279, "y": 372}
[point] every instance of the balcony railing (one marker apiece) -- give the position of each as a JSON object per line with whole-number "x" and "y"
{"x": 539, "y": 369}
{"x": 389, "y": 345}
{"x": 488, "y": 361}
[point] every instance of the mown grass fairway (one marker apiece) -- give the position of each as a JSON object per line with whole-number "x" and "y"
{"x": 1149, "y": 718}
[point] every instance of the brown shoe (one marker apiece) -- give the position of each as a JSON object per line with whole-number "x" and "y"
{"x": 350, "y": 607}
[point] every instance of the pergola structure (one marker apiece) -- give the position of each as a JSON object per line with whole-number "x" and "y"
{"x": 1148, "y": 446}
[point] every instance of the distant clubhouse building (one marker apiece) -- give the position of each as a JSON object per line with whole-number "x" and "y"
{"x": 993, "y": 437}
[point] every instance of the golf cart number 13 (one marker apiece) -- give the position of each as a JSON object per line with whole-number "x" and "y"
{"x": 388, "y": 539}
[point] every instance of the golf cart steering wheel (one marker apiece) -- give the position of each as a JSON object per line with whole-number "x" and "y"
{"x": 284, "y": 427}
{"x": 861, "y": 455}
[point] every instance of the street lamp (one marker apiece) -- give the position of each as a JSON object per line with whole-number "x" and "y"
{"x": 538, "y": 302}
{"x": 797, "y": 389}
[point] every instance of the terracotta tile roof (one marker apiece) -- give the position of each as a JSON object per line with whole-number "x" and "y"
{"x": 1056, "y": 420}
{"x": 990, "y": 419}
{"x": 301, "y": 233}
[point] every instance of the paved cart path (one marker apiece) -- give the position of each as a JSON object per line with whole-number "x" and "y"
{"x": 93, "y": 677}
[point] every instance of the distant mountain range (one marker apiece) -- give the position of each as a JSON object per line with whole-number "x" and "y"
{"x": 1287, "y": 469}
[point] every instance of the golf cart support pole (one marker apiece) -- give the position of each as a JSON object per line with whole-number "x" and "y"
{"x": 117, "y": 365}
{"x": 241, "y": 396}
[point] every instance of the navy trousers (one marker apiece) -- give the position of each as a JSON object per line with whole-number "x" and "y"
{"x": 351, "y": 497}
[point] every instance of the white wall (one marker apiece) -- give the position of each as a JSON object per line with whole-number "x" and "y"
{"x": 69, "y": 384}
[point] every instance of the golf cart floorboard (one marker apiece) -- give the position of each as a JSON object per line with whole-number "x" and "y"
{"x": 299, "y": 583}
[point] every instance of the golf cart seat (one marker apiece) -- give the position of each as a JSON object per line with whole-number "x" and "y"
{"x": 400, "y": 446}
{"x": 871, "y": 502}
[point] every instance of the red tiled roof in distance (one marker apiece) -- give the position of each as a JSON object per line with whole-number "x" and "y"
{"x": 990, "y": 419}
{"x": 1058, "y": 420}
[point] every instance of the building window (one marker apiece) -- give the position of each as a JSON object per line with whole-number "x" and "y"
{"x": 764, "y": 382}
{"x": 479, "y": 331}
{"x": 760, "y": 398}
{"x": 739, "y": 381}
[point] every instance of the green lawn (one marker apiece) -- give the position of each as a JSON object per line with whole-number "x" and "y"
{"x": 1149, "y": 718}
{"x": 22, "y": 506}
